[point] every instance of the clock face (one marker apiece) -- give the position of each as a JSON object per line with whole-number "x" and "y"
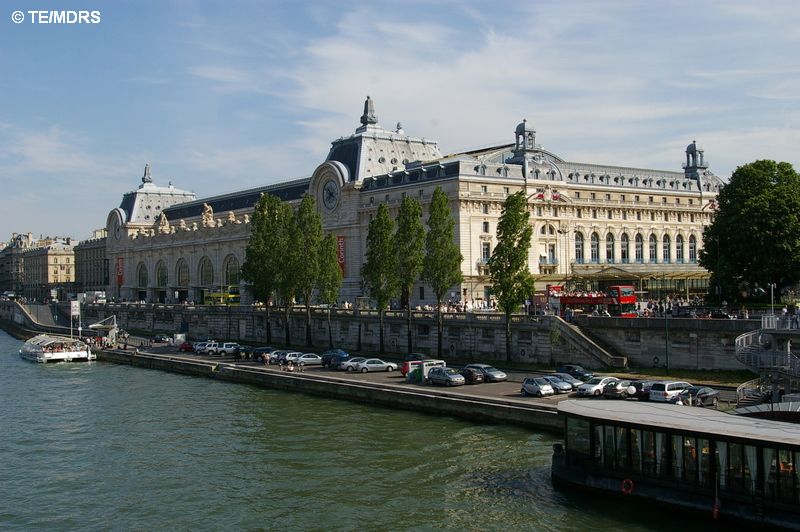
{"x": 330, "y": 194}
{"x": 117, "y": 230}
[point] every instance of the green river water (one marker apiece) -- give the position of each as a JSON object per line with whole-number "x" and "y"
{"x": 99, "y": 446}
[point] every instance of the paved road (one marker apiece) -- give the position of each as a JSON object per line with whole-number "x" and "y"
{"x": 509, "y": 390}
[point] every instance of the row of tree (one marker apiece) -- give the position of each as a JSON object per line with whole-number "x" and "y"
{"x": 289, "y": 257}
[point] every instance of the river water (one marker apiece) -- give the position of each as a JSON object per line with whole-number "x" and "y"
{"x": 99, "y": 446}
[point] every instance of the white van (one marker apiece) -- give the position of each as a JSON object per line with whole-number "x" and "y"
{"x": 664, "y": 391}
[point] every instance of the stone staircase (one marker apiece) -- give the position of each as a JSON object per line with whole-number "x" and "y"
{"x": 586, "y": 346}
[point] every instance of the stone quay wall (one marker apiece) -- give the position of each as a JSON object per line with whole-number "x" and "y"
{"x": 392, "y": 396}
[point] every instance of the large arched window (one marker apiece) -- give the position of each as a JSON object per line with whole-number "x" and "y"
{"x": 624, "y": 248}
{"x": 639, "y": 245}
{"x": 692, "y": 249}
{"x": 206, "y": 272}
{"x": 609, "y": 248}
{"x": 141, "y": 275}
{"x": 231, "y": 271}
{"x": 579, "y": 248}
{"x": 182, "y": 274}
{"x": 161, "y": 275}
{"x": 666, "y": 249}
{"x": 653, "y": 249}
{"x": 679, "y": 249}
{"x": 595, "y": 247}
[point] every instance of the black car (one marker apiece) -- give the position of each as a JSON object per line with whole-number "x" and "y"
{"x": 161, "y": 338}
{"x": 576, "y": 371}
{"x": 699, "y": 396}
{"x": 471, "y": 375}
{"x": 261, "y": 354}
{"x": 642, "y": 388}
{"x": 331, "y": 358}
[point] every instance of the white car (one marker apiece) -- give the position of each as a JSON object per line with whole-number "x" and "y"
{"x": 374, "y": 364}
{"x": 308, "y": 359}
{"x": 350, "y": 363}
{"x": 665, "y": 391}
{"x": 594, "y": 386}
{"x": 291, "y": 356}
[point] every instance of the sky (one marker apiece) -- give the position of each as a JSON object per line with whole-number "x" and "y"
{"x": 223, "y": 96}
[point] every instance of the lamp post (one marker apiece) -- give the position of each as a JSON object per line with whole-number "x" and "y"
{"x": 772, "y": 298}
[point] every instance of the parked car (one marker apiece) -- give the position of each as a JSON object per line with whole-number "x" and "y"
{"x": 186, "y": 347}
{"x": 161, "y": 338}
{"x": 374, "y": 364}
{"x": 471, "y": 375}
{"x": 409, "y": 365}
{"x": 445, "y": 376}
{"x": 559, "y": 385}
{"x": 664, "y": 391}
{"x": 261, "y": 354}
{"x": 246, "y": 350}
{"x": 226, "y": 348}
{"x": 290, "y": 356}
{"x": 328, "y": 357}
{"x": 537, "y": 386}
{"x": 309, "y": 359}
{"x": 408, "y": 362}
{"x": 642, "y": 390}
{"x": 576, "y": 371}
{"x": 699, "y": 396}
{"x": 203, "y": 347}
{"x": 617, "y": 389}
{"x": 490, "y": 374}
{"x": 350, "y": 363}
{"x": 274, "y": 357}
{"x": 566, "y": 377}
{"x": 594, "y": 386}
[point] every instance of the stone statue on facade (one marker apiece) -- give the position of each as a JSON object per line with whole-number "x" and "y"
{"x": 208, "y": 216}
{"x": 163, "y": 224}
{"x": 232, "y": 219}
{"x": 183, "y": 225}
{"x": 247, "y": 218}
{"x": 194, "y": 226}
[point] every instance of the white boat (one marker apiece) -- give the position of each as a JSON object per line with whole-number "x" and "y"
{"x": 48, "y": 348}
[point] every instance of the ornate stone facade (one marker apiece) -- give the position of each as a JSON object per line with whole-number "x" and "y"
{"x": 593, "y": 224}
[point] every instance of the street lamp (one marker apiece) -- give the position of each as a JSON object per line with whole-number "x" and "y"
{"x": 772, "y": 298}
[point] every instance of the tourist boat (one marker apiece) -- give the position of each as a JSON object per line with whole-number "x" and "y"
{"x": 49, "y": 348}
{"x": 724, "y": 466}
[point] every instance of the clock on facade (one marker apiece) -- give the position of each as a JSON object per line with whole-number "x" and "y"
{"x": 117, "y": 230}
{"x": 330, "y": 194}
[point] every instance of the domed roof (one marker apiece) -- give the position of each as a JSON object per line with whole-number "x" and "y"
{"x": 693, "y": 147}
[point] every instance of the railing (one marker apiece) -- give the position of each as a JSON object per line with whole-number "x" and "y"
{"x": 761, "y": 358}
{"x": 750, "y": 391}
{"x": 586, "y": 344}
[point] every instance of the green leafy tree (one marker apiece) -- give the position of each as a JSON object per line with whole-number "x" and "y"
{"x": 442, "y": 264}
{"x": 410, "y": 246}
{"x": 330, "y": 277}
{"x": 286, "y": 288}
{"x": 379, "y": 272}
{"x": 754, "y": 238}
{"x": 306, "y": 250}
{"x": 263, "y": 265}
{"x": 512, "y": 282}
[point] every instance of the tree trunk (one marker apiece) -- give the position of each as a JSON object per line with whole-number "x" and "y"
{"x": 439, "y": 328}
{"x": 380, "y": 325}
{"x": 309, "y": 341}
{"x": 269, "y": 324}
{"x": 330, "y": 332}
{"x": 286, "y": 313}
{"x": 408, "y": 327}
{"x": 508, "y": 337}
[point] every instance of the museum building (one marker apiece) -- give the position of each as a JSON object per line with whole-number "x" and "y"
{"x": 593, "y": 224}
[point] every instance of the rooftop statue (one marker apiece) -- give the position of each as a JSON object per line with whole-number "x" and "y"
{"x": 208, "y": 216}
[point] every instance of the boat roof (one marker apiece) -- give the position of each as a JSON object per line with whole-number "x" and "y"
{"x": 46, "y": 339}
{"x": 706, "y": 421}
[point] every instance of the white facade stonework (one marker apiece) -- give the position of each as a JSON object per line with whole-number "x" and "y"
{"x": 591, "y": 223}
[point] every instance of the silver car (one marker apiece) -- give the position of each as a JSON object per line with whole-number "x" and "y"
{"x": 308, "y": 359}
{"x": 566, "y": 377}
{"x": 490, "y": 373}
{"x": 445, "y": 376}
{"x": 537, "y": 386}
{"x": 559, "y": 385}
{"x": 374, "y": 364}
{"x": 350, "y": 363}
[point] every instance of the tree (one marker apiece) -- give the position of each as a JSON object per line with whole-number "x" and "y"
{"x": 512, "y": 282}
{"x": 263, "y": 265}
{"x": 330, "y": 277}
{"x": 442, "y": 264}
{"x": 379, "y": 271}
{"x": 754, "y": 238}
{"x": 410, "y": 247}
{"x": 306, "y": 250}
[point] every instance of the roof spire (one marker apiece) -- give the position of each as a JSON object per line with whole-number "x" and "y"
{"x": 369, "y": 113}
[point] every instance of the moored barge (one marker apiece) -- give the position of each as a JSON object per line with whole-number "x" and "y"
{"x": 725, "y": 466}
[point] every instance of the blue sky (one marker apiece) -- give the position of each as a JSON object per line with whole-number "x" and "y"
{"x": 219, "y": 96}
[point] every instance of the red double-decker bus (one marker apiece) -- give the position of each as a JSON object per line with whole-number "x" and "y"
{"x": 618, "y": 300}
